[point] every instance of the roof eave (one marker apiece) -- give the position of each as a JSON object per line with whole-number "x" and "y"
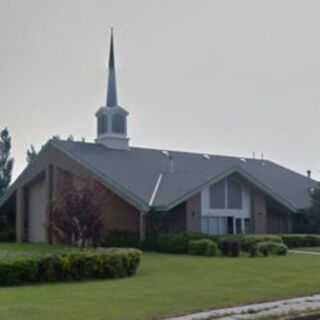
{"x": 235, "y": 169}
{"x": 142, "y": 204}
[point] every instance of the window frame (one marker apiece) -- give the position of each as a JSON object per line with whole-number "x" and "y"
{"x": 115, "y": 124}
{"x": 226, "y": 205}
{"x": 102, "y": 126}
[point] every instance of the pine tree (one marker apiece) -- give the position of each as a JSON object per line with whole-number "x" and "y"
{"x": 313, "y": 213}
{"x": 31, "y": 154}
{"x": 6, "y": 162}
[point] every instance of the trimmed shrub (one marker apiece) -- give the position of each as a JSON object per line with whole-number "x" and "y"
{"x": 69, "y": 265}
{"x": 230, "y": 247}
{"x": 122, "y": 239}
{"x": 301, "y": 240}
{"x": 235, "y": 248}
{"x": 203, "y": 247}
{"x": 263, "y": 249}
{"x": 276, "y": 248}
{"x": 224, "y": 247}
{"x": 247, "y": 240}
{"x": 8, "y": 235}
{"x": 177, "y": 242}
{"x": 253, "y": 251}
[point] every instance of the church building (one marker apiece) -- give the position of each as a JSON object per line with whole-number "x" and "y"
{"x": 206, "y": 193}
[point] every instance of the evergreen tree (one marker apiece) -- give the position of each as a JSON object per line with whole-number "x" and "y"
{"x": 6, "y": 162}
{"x": 31, "y": 154}
{"x": 313, "y": 213}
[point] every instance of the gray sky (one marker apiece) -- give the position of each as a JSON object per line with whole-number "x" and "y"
{"x": 223, "y": 77}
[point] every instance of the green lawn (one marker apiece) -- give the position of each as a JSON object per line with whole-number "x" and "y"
{"x": 19, "y": 247}
{"x": 165, "y": 285}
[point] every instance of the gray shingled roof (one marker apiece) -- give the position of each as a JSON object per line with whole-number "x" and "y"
{"x": 136, "y": 171}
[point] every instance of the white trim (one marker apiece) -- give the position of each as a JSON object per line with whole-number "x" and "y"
{"x": 156, "y": 187}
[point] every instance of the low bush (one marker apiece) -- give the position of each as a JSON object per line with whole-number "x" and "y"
{"x": 7, "y": 235}
{"x": 69, "y": 265}
{"x": 247, "y": 240}
{"x": 122, "y": 239}
{"x": 203, "y": 247}
{"x": 263, "y": 249}
{"x": 276, "y": 248}
{"x": 177, "y": 242}
{"x": 230, "y": 247}
{"x": 253, "y": 251}
{"x": 301, "y": 240}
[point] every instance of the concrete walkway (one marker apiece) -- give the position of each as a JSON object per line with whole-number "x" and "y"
{"x": 305, "y": 252}
{"x": 257, "y": 310}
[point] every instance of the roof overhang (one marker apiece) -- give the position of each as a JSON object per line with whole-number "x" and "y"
{"x": 142, "y": 205}
{"x": 238, "y": 170}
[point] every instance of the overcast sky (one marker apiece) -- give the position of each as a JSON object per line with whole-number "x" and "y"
{"x": 222, "y": 77}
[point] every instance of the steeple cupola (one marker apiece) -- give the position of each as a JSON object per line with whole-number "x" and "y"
{"x": 111, "y": 118}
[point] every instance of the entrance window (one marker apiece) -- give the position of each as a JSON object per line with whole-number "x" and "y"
{"x": 247, "y": 226}
{"x": 238, "y": 225}
{"x": 214, "y": 225}
{"x": 230, "y": 225}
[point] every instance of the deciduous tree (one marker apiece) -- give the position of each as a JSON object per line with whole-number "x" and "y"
{"x": 80, "y": 217}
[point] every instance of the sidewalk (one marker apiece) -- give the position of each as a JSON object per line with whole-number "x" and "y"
{"x": 305, "y": 252}
{"x": 258, "y": 310}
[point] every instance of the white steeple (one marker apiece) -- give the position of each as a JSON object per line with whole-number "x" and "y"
{"x": 111, "y": 118}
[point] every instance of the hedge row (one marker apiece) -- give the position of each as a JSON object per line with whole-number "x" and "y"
{"x": 276, "y": 248}
{"x": 301, "y": 240}
{"x": 178, "y": 242}
{"x": 247, "y": 240}
{"x": 69, "y": 265}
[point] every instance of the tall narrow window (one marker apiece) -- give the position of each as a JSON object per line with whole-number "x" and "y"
{"x": 217, "y": 195}
{"x": 238, "y": 225}
{"x": 118, "y": 123}
{"x": 230, "y": 225}
{"x": 247, "y": 226}
{"x": 234, "y": 195}
{"x": 102, "y": 124}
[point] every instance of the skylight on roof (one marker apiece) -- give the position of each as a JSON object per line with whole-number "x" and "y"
{"x": 206, "y": 156}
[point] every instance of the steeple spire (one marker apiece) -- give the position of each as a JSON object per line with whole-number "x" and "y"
{"x": 112, "y": 100}
{"x": 112, "y": 118}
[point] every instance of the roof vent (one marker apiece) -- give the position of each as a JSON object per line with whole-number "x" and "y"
{"x": 171, "y": 161}
{"x": 165, "y": 153}
{"x": 206, "y": 156}
{"x": 309, "y": 174}
{"x": 243, "y": 160}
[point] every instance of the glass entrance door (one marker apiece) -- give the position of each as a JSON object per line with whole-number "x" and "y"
{"x": 238, "y": 225}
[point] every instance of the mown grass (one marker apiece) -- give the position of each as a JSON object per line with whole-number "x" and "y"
{"x": 164, "y": 286}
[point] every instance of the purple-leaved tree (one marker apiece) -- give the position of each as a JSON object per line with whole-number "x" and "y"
{"x": 79, "y": 219}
